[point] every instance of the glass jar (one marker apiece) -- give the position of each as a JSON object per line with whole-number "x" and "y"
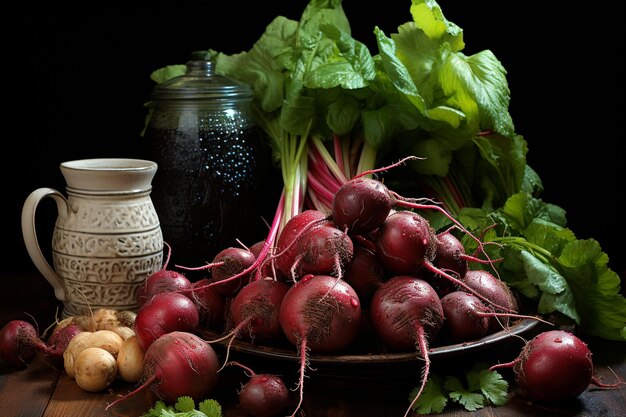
{"x": 215, "y": 184}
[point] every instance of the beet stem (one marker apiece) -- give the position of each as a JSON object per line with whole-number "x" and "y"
{"x": 386, "y": 168}
{"x": 595, "y": 380}
{"x": 231, "y": 336}
{"x": 504, "y": 365}
{"x": 511, "y": 315}
{"x": 250, "y": 372}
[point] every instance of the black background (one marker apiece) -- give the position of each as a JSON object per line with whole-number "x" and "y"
{"x": 75, "y": 83}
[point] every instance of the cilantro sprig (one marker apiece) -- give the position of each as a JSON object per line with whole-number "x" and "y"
{"x": 185, "y": 407}
{"x": 479, "y": 388}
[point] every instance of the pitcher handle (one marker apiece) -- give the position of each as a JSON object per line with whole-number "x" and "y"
{"x": 30, "y": 235}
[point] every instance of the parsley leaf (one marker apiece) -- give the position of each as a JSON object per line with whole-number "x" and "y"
{"x": 470, "y": 400}
{"x": 211, "y": 408}
{"x": 433, "y": 398}
{"x": 491, "y": 384}
{"x": 482, "y": 387}
{"x": 185, "y": 407}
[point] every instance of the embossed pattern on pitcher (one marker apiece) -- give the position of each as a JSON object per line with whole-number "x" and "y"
{"x": 104, "y": 243}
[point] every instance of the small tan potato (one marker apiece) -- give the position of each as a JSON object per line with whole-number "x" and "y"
{"x": 130, "y": 360}
{"x": 95, "y": 369}
{"x": 126, "y": 318}
{"x": 104, "y": 319}
{"x": 124, "y": 332}
{"x": 107, "y": 340}
{"x": 108, "y": 319}
{"x": 78, "y": 343}
{"x": 104, "y": 339}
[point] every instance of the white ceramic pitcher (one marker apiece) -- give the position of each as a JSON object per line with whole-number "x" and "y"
{"x": 107, "y": 238}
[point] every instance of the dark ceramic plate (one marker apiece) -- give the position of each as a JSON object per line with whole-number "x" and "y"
{"x": 351, "y": 364}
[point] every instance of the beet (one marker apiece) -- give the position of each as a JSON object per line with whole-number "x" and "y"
{"x": 361, "y": 205}
{"x": 404, "y": 242}
{"x": 255, "y": 310}
{"x": 496, "y": 292}
{"x": 165, "y": 313}
{"x": 228, "y": 263}
{"x": 211, "y": 304}
{"x": 319, "y": 313}
{"x": 163, "y": 280}
{"x": 286, "y": 248}
{"x": 364, "y": 273}
{"x": 322, "y": 250}
{"x": 406, "y": 312}
{"x": 264, "y": 395}
{"x": 554, "y": 366}
{"x": 463, "y": 319}
{"x": 178, "y": 364}
{"x": 19, "y": 343}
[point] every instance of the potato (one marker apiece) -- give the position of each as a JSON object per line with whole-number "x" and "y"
{"x": 130, "y": 360}
{"x": 124, "y": 332}
{"x": 78, "y": 343}
{"x": 104, "y": 319}
{"x": 103, "y": 339}
{"x": 95, "y": 369}
{"x": 107, "y": 319}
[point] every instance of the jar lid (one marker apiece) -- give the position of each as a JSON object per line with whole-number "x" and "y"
{"x": 201, "y": 83}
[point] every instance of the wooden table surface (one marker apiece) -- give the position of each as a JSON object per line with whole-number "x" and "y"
{"x": 43, "y": 390}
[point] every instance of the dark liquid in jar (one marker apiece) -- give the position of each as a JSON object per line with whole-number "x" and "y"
{"x": 215, "y": 184}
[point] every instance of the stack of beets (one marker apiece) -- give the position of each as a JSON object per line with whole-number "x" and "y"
{"x": 373, "y": 262}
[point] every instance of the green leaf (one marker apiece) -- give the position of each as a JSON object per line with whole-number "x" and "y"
{"x": 163, "y": 74}
{"x": 185, "y": 403}
{"x": 548, "y": 235}
{"x": 471, "y": 401}
{"x": 297, "y": 115}
{"x": 601, "y": 307}
{"x": 500, "y": 168}
{"x": 543, "y": 275}
{"x": 211, "y": 408}
{"x": 479, "y": 88}
{"x": 547, "y": 263}
{"x": 350, "y": 66}
{"x": 491, "y": 384}
{"x": 263, "y": 67}
{"x": 428, "y": 16}
{"x": 185, "y": 407}
{"x": 342, "y": 115}
{"x": 437, "y": 158}
{"x": 396, "y": 71}
{"x": 433, "y": 398}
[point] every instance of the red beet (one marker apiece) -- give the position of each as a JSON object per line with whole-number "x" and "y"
{"x": 554, "y": 366}
{"x": 319, "y": 313}
{"x": 178, "y": 364}
{"x": 406, "y": 312}
{"x": 264, "y": 395}
{"x": 19, "y": 343}
{"x": 211, "y": 304}
{"x": 165, "y": 313}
